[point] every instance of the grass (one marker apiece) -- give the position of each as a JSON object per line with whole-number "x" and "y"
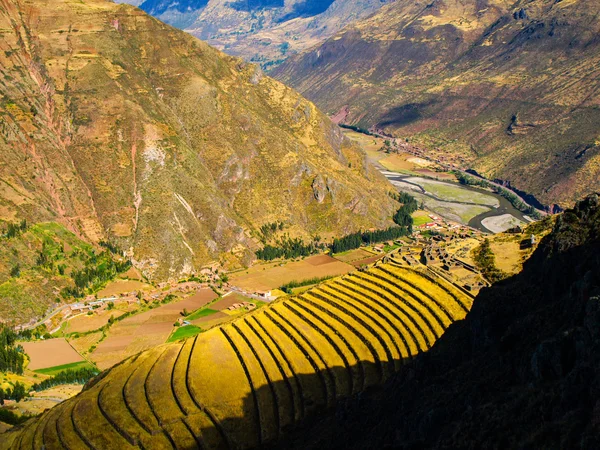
{"x": 420, "y": 219}
{"x": 203, "y": 312}
{"x": 184, "y": 332}
{"x": 51, "y": 371}
{"x": 452, "y": 192}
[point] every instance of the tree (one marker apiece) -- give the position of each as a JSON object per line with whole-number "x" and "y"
{"x": 15, "y": 272}
{"x": 18, "y": 393}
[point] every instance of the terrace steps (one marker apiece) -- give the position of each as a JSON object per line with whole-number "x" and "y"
{"x": 266, "y": 403}
{"x": 281, "y": 362}
{"x": 281, "y": 392}
{"x": 419, "y": 314}
{"x": 347, "y": 326}
{"x": 392, "y": 353}
{"x": 422, "y": 309}
{"x": 377, "y": 316}
{"x": 448, "y": 298}
{"x": 404, "y": 332}
{"x": 351, "y": 361}
{"x": 311, "y": 352}
{"x": 410, "y": 317}
{"x": 209, "y": 359}
{"x": 336, "y": 366}
{"x": 314, "y": 393}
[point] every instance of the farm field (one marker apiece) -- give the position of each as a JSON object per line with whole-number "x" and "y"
{"x": 353, "y": 255}
{"x": 456, "y": 212}
{"x": 50, "y": 353}
{"x": 184, "y": 332}
{"x": 257, "y": 279}
{"x": 420, "y": 218}
{"x": 452, "y": 192}
{"x": 54, "y": 370}
{"x": 83, "y": 322}
{"x": 145, "y": 330}
{"x": 290, "y": 357}
{"x": 82, "y": 344}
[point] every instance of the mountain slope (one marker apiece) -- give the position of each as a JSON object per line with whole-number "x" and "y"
{"x": 512, "y": 86}
{"x": 247, "y": 383}
{"x": 119, "y": 126}
{"x": 521, "y": 371}
{"x": 262, "y": 31}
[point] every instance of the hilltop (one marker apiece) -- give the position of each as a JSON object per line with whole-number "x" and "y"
{"x": 262, "y": 31}
{"x": 122, "y": 128}
{"x": 512, "y": 87}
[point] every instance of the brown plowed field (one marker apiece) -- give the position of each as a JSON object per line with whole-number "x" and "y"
{"x": 146, "y": 330}
{"x": 50, "y": 353}
{"x": 273, "y": 277}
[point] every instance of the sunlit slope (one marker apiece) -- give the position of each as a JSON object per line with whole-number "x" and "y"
{"x": 245, "y": 383}
{"x": 510, "y": 86}
{"x": 120, "y": 127}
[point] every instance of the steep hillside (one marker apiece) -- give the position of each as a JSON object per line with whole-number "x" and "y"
{"x": 121, "y": 127}
{"x": 39, "y": 264}
{"x": 521, "y": 371}
{"x": 247, "y": 383}
{"x": 513, "y": 86}
{"x": 262, "y": 31}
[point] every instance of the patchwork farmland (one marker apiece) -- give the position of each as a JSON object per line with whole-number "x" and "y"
{"x": 291, "y": 357}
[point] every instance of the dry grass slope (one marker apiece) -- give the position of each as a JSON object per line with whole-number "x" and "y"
{"x": 246, "y": 383}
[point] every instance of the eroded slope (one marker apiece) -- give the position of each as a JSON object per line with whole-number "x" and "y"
{"x": 118, "y": 125}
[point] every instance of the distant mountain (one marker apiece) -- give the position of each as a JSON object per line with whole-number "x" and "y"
{"x": 513, "y": 87}
{"x": 263, "y": 31}
{"x": 120, "y": 127}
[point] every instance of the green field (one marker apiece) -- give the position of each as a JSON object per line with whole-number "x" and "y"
{"x": 184, "y": 332}
{"x": 452, "y": 192}
{"x": 420, "y": 220}
{"x": 51, "y": 371}
{"x": 202, "y": 312}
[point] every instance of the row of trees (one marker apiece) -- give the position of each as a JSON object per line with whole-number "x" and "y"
{"x": 12, "y": 355}
{"x": 356, "y": 240}
{"x": 69, "y": 376}
{"x": 289, "y": 248}
{"x": 293, "y": 248}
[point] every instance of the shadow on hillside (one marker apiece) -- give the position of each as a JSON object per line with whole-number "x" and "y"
{"x": 274, "y": 410}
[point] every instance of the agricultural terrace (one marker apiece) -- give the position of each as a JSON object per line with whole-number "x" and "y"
{"x": 271, "y": 276}
{"x": 242, "y": 384}
{"x": 50, "y": 353}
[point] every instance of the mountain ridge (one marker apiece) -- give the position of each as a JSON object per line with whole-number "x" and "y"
{"x": 510, "y": 87}
{"x": 261, "y": 31}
